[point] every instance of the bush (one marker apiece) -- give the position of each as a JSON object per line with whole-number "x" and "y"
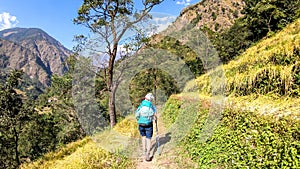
{"x": 171, "y": 110}
{"x": 246, "y": 140}
{"x": 243, "y": 139}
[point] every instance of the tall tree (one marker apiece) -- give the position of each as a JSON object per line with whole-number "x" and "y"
{"x": 152, "y": 80}
{"x": 111, "y": 19}
{"x": 263, "y": 17}
{"x": 13, "y": 114}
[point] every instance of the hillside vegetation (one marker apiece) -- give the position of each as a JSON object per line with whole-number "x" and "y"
{"x": 91, "y": 152}
{"x": 270, "y": 66}
{"x": 81, "y": 154}
{"x": 259, "y": 126}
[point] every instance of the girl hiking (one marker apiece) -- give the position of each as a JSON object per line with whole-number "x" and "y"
{"x": 145, "y": 114}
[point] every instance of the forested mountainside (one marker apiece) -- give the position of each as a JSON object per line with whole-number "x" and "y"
{"x": 34, "y": 51}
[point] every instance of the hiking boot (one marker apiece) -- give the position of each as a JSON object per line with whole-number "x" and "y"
{"x": 148, "y": 158}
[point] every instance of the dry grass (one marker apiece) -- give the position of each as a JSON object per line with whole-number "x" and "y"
{"x": 268, "y": 67}
{"x": 128, "y": 127}
{"x": 266, "y": 105}
{"x": 263, "y": 79}
{"x": 100, "y": 151}
{"x": 51, "y": 157}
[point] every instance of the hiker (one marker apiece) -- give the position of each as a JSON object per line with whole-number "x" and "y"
{"x": 145, "y": 114}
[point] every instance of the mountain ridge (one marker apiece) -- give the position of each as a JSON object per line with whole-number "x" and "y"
{"x": 34, "y": 51}
{"x": 213, "y": 15}
{"x": 217, "y": 15}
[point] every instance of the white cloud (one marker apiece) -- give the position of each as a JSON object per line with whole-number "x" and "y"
{"x": 156, "y": 24}
{"x": 159, "y": 21}
{"x": 184, "y": 2}
{"x": 162, "y": 22}
{"x": 7, "y": 21}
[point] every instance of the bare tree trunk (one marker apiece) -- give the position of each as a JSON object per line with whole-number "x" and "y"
{"x": 111, "y": 88}
{"x": 112, "y": 108}
{"x": 16, "y": 140}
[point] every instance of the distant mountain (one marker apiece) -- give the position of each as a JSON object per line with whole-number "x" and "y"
{"x": 34, "y": 51}
{"x": 217, "y": 15}
{"x": 211, "y": 17}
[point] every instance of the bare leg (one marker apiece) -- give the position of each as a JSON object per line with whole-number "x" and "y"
{"x": 148, "y": 143}
{"x": 144, "y": 146}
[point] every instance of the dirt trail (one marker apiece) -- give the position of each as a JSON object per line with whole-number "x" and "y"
{"x": 169, "y": 157}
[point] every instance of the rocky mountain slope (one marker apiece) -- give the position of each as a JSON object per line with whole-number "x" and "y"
{"x": 34, "y": 51}
{"x": 217, "y": 15}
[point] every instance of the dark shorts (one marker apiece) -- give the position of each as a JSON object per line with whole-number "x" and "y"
{"x": 146, "y": 130}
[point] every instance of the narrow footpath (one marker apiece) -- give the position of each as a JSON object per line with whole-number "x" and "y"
{"x": 170, "y": 156}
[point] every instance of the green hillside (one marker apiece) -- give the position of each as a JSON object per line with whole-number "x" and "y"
{"x": 259, "y": 124}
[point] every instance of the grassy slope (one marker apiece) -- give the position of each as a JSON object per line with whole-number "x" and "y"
{"x": 275, "y": 57}
{"x": 265, "y": 76}
{"x": 261, "y": 83}
{"x": 90, "y": 153}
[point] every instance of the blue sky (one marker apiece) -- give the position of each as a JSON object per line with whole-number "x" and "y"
{"x": 55, "y": 16}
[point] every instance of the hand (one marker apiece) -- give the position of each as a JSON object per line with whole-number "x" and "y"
{"x": 154, "y": 117}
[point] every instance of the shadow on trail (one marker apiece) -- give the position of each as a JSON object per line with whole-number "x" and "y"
{"x": 162, "y": 142}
